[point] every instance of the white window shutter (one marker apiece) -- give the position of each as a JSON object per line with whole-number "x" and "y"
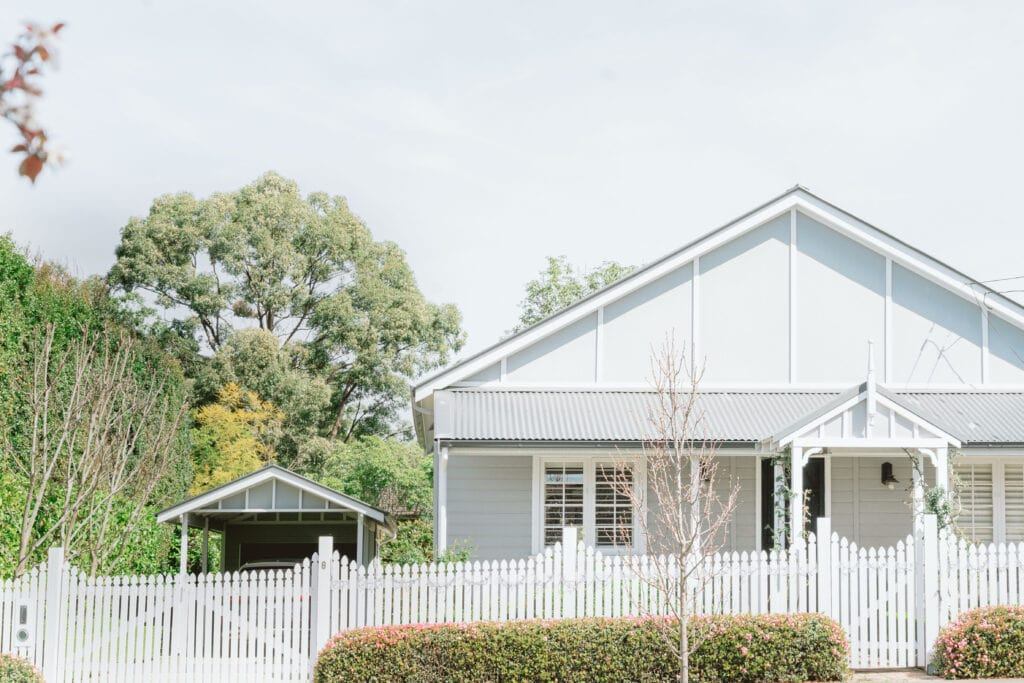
{"x": 976, "y": 519}
{"x": 1013, "y": 479}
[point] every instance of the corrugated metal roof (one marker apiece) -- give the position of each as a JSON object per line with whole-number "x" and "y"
{"x": 980, "y": 417}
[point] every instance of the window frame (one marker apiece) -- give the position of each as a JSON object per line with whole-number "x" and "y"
{"x": 998, "y": 465}
{"x": 589, "y": 530}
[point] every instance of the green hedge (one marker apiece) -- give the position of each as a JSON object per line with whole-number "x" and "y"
{"x": 982, "y": 643}
{"x": 17, "y": 670}
{"x": 771, "y": 647}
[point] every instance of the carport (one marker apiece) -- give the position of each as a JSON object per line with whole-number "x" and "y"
{"x": 275, "y": 514}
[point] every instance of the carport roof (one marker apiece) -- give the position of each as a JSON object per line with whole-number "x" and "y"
{"x": 272, "y": 489}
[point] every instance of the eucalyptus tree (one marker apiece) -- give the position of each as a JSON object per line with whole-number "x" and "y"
{"x": 344, "y": 310}
{"x": 560, "y": 284}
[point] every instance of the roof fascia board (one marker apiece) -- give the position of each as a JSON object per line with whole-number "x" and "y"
{"x": 906, "y": 256}
{"x": 603, "y": 297}
{"x": 747, "y": 387}
{"x": 900, "y": 409}
{"x": 581, "y": 449}
{"x": 798, "y": 434}
{"x": 856, "y": 444}
{"x": 258, "y": 477}
{"x": 796, "y": 431}
{"x": 798, "y": 198}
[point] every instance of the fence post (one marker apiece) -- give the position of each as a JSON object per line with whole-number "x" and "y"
{"x": 569, "y": 552}
{"x": 824, "y": 560}
{"x": 52, "y": 641}
{"x": 927, "y": 588}
{"x": 322, "y": 604}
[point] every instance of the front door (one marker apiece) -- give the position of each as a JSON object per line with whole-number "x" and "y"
{"x": 814, "y": 488}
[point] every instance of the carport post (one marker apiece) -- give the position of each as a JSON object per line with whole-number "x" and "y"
{"x": 206, "y": 542}
{"x": 183, "y": 559}
{"x": 360, "y": 534}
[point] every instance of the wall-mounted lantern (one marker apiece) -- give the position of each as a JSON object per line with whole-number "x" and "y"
{"x": 888, "y": 480}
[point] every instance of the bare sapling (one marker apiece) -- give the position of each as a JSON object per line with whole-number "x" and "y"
{"x": 101, "y": 435}
{"x": 684, "y": 513}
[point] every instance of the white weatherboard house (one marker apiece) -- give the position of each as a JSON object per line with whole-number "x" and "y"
{"x": 779, "y": 306}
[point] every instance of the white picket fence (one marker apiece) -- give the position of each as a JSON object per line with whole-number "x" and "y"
{"x": 224, "y": 627}
{"x": 268, "y": 626}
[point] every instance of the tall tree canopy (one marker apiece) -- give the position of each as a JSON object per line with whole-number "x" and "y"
{"x": 349, "y": 324}
{"x": 560, "y": 284}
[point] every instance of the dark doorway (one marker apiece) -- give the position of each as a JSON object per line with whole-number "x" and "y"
{"x": 814, "y": 486}
{"x": 257, "y": 552}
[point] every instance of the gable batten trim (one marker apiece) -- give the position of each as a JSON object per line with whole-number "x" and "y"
{"x": 695, "y": 317}
{"x": 984, "y": 345}
{"x": 887, "y": 370}
{"x": 792, "y": 295}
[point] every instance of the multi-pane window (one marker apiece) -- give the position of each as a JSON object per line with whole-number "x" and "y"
{"x": 613, "y": 509}
{"x": 991, "y": 501}
{"x": 593, "y": 496}
{"x": 563, "y": 500}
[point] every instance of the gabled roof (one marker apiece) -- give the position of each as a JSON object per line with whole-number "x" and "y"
{"x": 797, "y": 197}
{"x": 215, "y": 497}
{"x": 867, "y": 394}
{"x": 975, "y": 418}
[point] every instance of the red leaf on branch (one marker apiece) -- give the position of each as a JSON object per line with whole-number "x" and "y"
{"x": 30, "y": 167}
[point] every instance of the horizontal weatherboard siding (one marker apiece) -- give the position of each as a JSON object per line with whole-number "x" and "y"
{"x": 489, "y": 504}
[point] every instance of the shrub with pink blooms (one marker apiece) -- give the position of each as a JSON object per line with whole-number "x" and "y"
{"x": 982, "y": 643}
{"x": 769, "y": 647}
{"x": 17, "y": 670}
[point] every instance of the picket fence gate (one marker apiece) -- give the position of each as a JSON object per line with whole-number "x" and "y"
{"x": 268, "y": 626}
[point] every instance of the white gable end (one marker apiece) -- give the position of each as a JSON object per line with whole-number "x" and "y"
{"x": 788, "y": 295}
{"x": 743, "y": 326}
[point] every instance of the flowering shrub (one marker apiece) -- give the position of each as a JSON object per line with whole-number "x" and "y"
{"x": 982, "y": 643}
{"x": 770, "y": 647}
{"x": 17, "y": 670}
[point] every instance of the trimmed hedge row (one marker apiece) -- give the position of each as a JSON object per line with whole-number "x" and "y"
{"x": 17, "y": 670}
{"x": 982, "y": 643}
{"x": 770, "y": 647}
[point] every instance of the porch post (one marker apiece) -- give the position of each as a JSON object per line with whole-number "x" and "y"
{"x": 206, "y": 543}
{"x": 183, "y": 551}
{"x": 441, "y": 506}
{"x": 796, "y": 502}
{"x": 918, "y": 507}
{"x": 942, "y": 468}
{"x": 778, "y": 507}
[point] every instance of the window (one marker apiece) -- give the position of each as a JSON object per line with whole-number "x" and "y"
{"x": 991, "y": 501}
{"x": 563, "y": 500}
{"x": 613, "y": 510}
{"x": 589, "y": 495}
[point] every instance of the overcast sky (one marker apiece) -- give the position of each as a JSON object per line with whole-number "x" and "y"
{"x": 483, "y": 136}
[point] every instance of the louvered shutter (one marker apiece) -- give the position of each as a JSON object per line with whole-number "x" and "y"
{"x": 1013, "y": 485}
{"x": 976, "y": 519}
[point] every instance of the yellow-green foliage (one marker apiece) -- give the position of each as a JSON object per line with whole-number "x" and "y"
{"x": 767, "y": 647}
{"x": 232, "y": 437}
